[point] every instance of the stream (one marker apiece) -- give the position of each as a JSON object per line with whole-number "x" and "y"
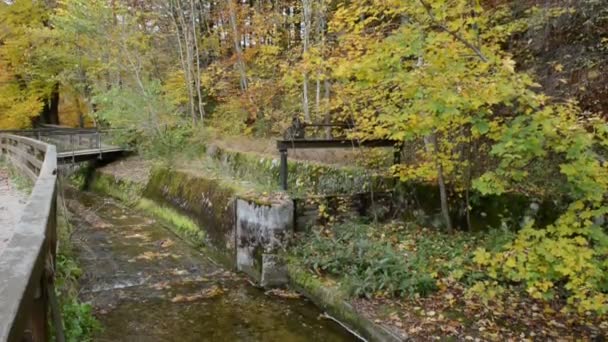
{"x": 146, "y": 284}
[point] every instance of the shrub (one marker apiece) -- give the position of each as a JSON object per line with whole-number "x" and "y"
{"x": 370, "y": 267}
{"x": 567, "y": 258}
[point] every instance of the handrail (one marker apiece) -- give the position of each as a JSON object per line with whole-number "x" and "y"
{"x": 27, "y": 262}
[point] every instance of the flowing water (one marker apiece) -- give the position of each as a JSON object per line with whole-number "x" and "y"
{"x": 148, "y": 285}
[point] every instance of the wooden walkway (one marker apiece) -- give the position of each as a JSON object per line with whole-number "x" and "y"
{"x": 74, "y": 144}
{"x": 12, "y": 202}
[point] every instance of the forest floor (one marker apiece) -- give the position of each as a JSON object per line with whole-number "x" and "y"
{"x": 417, "y": 283}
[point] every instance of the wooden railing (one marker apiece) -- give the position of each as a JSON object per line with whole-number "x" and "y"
{"x": 66, "y": 139}
{"x": 27, "y": 262}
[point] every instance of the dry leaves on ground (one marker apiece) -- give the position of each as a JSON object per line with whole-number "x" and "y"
{"x": 207, "y": 293}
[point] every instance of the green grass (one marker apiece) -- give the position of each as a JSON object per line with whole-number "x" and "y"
{"x": 183, "y": 225}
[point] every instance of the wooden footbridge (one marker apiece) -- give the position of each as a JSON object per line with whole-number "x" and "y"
{"x": 28, "y": 305}
{"x": 72, "y": 144}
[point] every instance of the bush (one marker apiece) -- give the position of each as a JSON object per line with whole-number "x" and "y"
{"x": 230, "y": 117}
{"x": 566, "y": 259}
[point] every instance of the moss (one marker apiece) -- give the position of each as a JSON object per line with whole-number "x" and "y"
{"x": 334, "y": 301}
{"x": 205, "y": 201}
{"x": 125, "y": 191}
{"x": 304, "y": 177}
{"x": 198, "y": 209}
{"x": 131, "y": 194}
{"x": 182, "y": 225}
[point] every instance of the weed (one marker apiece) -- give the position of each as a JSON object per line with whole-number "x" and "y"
{"x": 396, "y": 259}
{"x": 78, "y": 320}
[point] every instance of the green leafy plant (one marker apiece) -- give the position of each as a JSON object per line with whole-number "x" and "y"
{"x": 370, "y": 268}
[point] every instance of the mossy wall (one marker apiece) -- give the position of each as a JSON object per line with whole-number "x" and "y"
{"x": 207, "y": 202}
{"x": 379, "y": 196}
{"x": 421, "y": 202}
{"x": 131, "y": 193}
{"x": 304, "y": 177}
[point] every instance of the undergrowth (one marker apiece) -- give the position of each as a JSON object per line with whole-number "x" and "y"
{"x": 78, "y": 320}
{"x": 393, "y": 260}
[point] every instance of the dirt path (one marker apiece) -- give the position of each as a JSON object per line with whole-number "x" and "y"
{"x": 12, "y": 202}
{"x": 147, "y": 285}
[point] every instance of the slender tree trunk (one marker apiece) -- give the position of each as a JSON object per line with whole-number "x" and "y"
{"x": 327, "y": 119}
{"x": 441, "y": 182}
{"x": 306, "y": 6}
{"x": 188, "y": 43}
{"x": 184, "y": 54}
{"x": 237, "y": 46}
{"x": 318, "y": 95}
{"x": 468, "y": 176}
{"x": 197, "y": 77}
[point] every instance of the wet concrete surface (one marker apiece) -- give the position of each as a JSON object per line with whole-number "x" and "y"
{"x": 148, "y": 285}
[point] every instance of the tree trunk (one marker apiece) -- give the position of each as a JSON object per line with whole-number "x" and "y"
{"x": 306, "y": 6}
{"x": 197, "y": 77}
{"x": 442, "y": 188}
{"x": 327, "y": 119}
{"x": 318, "y": 95}
{"x": 237, "y": 46}
{"x": 50, "y": 111}
{"x": 184, "y": 55}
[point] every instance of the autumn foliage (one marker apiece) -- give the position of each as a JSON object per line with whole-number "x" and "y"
{"x": 434, "y": 75}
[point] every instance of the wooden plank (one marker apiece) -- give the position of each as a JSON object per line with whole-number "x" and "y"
{"x": 28, "y": 141}
{"x": 16, "y": 150}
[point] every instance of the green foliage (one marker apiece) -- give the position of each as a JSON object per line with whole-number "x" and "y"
{"x": 398, "y": 260}
{"x": 566, "y": 258}
{"x": 79, "y": 323}
{"x": 230, "y": 117}
{"x": 370, "y": 268}
{"x": 441, "y": 79}
{"x": 78, "y": 320}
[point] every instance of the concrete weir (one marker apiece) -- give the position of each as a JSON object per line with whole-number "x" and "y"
{"x": 241, "y": 231}
{"x": 261, "y": 232}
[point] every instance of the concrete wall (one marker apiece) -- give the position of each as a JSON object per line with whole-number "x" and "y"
{"x": 262, "y": 232}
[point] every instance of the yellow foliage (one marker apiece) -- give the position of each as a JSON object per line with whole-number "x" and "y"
{"x": 571, "y": 251}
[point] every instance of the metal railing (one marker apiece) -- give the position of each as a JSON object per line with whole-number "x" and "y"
{"x": 27, "y": 262}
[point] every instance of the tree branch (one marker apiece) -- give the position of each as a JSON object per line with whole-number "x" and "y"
{"x": 454, "y": 34}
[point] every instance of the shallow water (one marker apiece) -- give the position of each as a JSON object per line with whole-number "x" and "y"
{"x": 148, "y": 285}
